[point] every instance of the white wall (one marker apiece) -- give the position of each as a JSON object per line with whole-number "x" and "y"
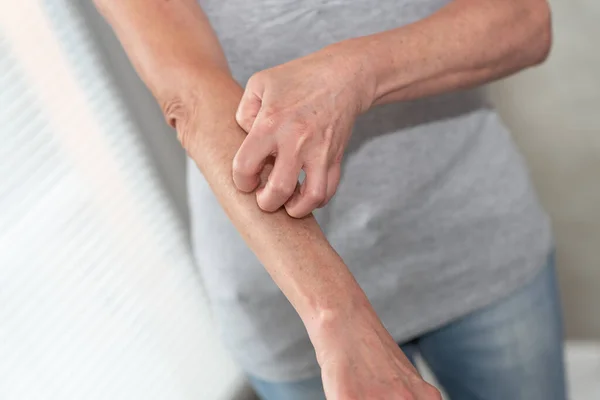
{"x": 99, "y": 296}
{"x": 160, "y": 138}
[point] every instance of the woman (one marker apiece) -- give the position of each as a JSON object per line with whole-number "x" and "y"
{"x": 427, "y": 202}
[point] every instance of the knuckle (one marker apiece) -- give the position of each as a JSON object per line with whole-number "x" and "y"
{"x": 327, "y": 199}
{"x": 302, "y": 136}
{"x": 304, "y": 129}
{"x": 241, "y": 118}
{"x": 268, "y": 122}
{"x": 258, "y": 77}
{"x": 303, "y": 126}
{"x": 271, "y": 121}
{"x": 328, "y": 135}
{"x": 263, "y": 204}
{"x": 283, "y": 187}
{"x": 337, "y": 159}
{"x": 254, "y": 80}
{"x": 294, "y": 213}
{"x": 315, "y": 196}
{"x": 431, "y": 393}
{"x": 241, "y": 166}
{"x": 405, "y": 394}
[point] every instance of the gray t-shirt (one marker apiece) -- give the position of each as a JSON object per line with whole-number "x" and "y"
{"x": 435, "y": 214}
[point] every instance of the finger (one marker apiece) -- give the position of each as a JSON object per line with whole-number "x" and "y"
{"x": 250, "y": 159}
{"x": 312, "y": 192}
{"x": 250, "y": 104}
{"x": 247, "y": 111}
{"x": 333, "y": 180}
{"x": 281, "y": 183}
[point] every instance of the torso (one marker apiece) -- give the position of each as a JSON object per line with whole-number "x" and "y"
{"x": 435, "y": 214}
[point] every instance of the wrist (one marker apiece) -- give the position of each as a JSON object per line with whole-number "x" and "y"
{"x": 354, "y": 58}
{"x": 387, "y": 70}
{"x": 326, "y": 322}
{"x": 341, "y": 330}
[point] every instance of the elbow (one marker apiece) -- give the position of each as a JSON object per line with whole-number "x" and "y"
{"x": 180, "y": 114}
{"x": 539, "y": 41}
{"x": 174, "y": 110}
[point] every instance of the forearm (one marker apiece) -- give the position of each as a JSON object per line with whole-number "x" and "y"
{"x": 178, "y": 56}
{"x": 464, "y": 44}
{"x": 294, "y": 251}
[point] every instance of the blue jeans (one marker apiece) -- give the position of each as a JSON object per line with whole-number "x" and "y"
{"x": 512, "y": 349}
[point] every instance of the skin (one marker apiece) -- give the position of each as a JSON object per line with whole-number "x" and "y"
{"x": 176, "y": 53}
{"x": 303, "y": 111}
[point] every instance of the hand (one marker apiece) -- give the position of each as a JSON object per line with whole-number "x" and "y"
{"x": 360, "y": 361}
{"x": 302, "y": 113}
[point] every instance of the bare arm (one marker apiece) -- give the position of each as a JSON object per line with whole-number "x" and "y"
{"x": 175, "y": 51}
{"x": 178, "y": 56}
{"x": 304, "y": 110}
{"x": 466, "y": 43}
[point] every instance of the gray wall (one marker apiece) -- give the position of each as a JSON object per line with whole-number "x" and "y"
{"x": 554, "y": 112}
